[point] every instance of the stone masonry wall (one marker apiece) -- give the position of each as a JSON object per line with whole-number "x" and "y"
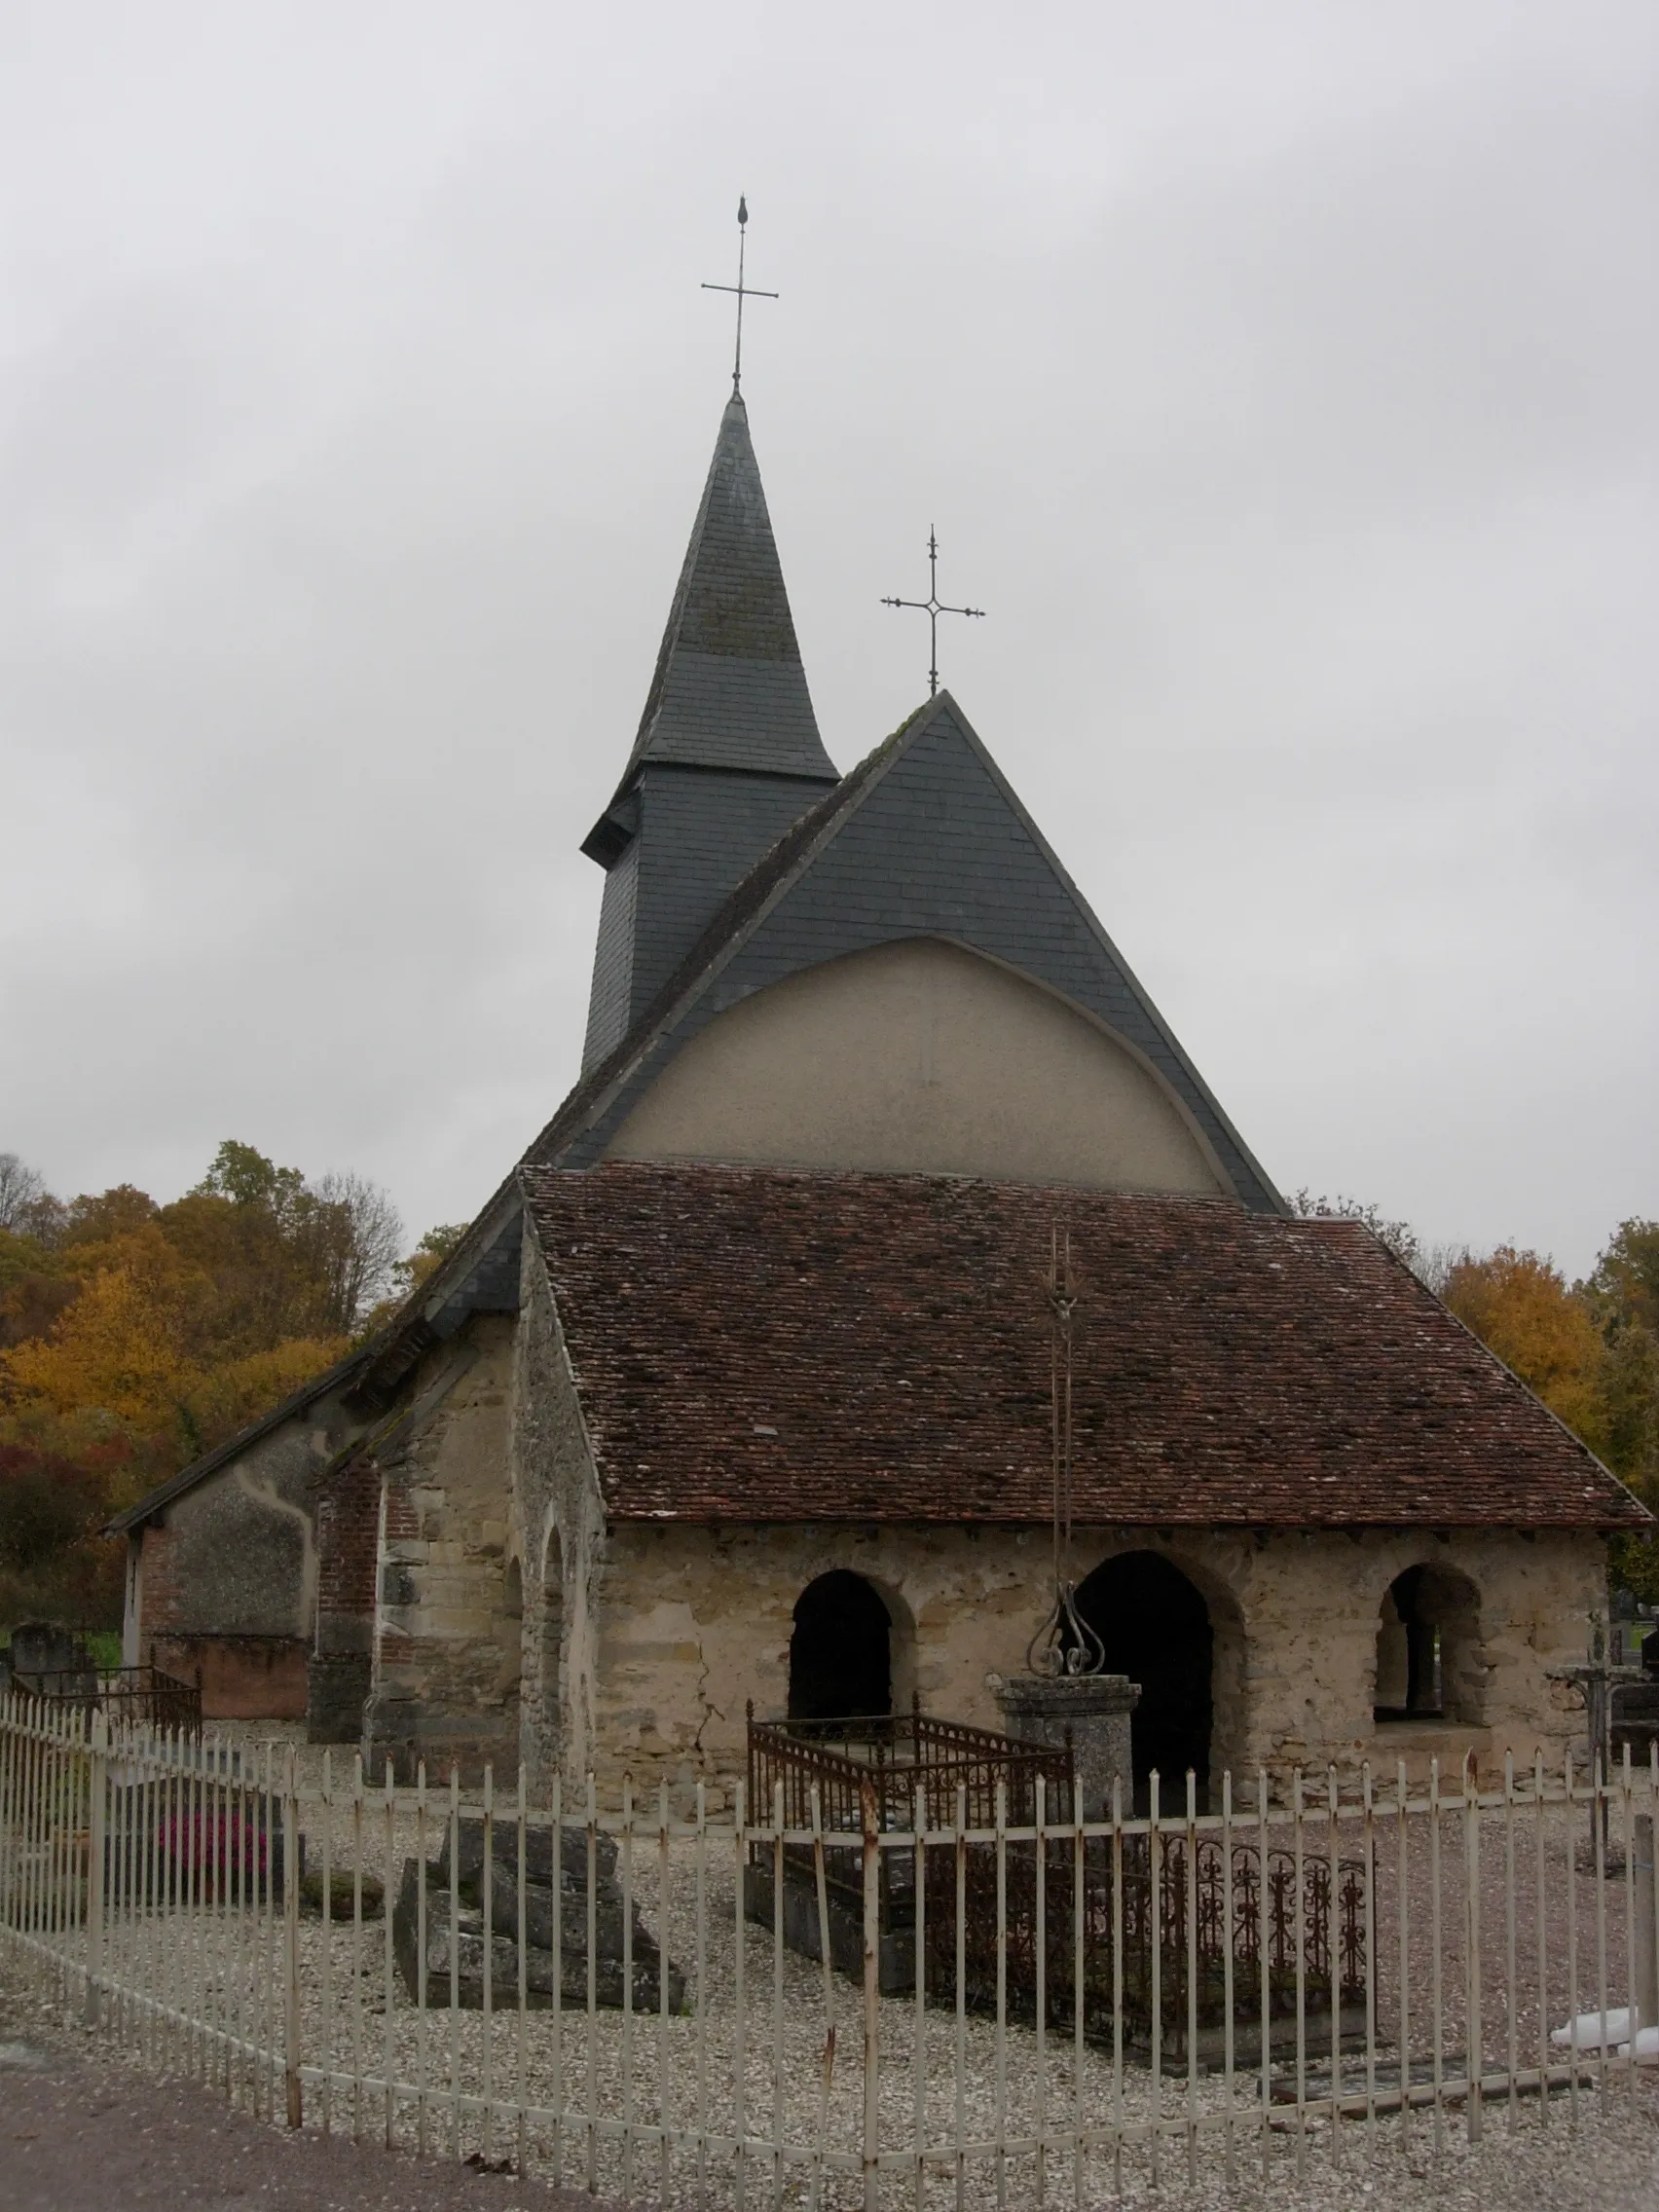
{"x": 558, "y": 1535}
{"x": 687, "y": 1624}
{"x": 446, "y": 1659}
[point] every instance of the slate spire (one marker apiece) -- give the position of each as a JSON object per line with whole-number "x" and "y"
{"x": 727, "y": 753}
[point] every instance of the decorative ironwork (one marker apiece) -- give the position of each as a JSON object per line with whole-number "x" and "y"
{"x": 1263, "y": 1941}
{"x": 933, "y": 606}
{"x": 879, "y": 1772}
{"x": 123, "y": 1693}
{"x": 743, "y": 292}
{"x": 1065, "y": 1643}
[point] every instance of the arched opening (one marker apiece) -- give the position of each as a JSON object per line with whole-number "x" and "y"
{"x": 1428, "y": 1663}
{"x": 1156, "y": 1630}
{"x": 841, "y": 1651}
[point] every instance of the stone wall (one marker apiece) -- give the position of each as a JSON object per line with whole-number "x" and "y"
{"x": 558, "y": 1535}
{"x": 227, "y": 1575}
{"x": 446, "y": 1656}
{"x": 683, "y": 1625}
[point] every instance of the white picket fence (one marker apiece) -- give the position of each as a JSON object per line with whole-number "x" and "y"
{"x": 1104, "y": 2007}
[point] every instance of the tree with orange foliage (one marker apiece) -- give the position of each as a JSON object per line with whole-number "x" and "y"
{"x": 134, "y": 1337}
{"x": 1521, "y": 1306}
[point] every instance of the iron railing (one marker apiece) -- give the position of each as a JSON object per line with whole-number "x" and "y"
{"x": 576, "y": 1988}
{"x": 128, "y": 1695}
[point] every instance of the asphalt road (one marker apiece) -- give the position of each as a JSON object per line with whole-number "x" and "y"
{"x": 77, "y": 2135}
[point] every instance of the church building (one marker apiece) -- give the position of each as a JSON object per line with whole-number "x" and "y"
{"x": 738, "y": 1391}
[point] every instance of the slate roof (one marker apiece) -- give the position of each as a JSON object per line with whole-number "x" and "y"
{"x": 729, "y": 691}
{"x": 923, "y": 837}
{"x": 758, "y": 1345}
{"x": 727, "y": 753}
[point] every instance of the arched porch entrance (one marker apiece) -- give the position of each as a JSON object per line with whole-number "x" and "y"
{"x": 841, "y": 1651}
{"x": 1156, "y": 1628}
{"x": 1429, "y": 1664}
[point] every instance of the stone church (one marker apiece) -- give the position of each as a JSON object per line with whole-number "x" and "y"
{"x": 738, "y": 1389}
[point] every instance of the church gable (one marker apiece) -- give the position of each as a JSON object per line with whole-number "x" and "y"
{"x": 921, "y": 1055}
{"x": 925, "y": 840}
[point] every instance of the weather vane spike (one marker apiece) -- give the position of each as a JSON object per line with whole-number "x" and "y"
{"x": 744, "y": 292}
{"x": 932, "y": 608}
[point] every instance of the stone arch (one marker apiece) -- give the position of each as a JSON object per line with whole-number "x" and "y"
{"x": 841, "y": 1650}
{"x": 1430, "y": 1661}
{"x": 1183, "y": 1645}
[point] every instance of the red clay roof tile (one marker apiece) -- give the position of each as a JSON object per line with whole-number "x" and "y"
{"x": 760, "y": 1344}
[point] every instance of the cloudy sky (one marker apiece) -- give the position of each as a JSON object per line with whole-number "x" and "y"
{"x": 1280, "y": 377}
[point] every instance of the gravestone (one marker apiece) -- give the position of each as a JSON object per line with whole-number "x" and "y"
{"x": 552, "y": 1895}
{"x": 50, "y": 1661}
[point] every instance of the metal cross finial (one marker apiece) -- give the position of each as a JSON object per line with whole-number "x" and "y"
{"x": 744, "y": 292}
{"x": 932, "y": 608}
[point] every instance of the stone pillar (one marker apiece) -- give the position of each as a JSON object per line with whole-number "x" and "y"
{"x": 1090, "y": 1711}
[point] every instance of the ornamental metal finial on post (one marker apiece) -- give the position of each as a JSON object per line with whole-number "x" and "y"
{"x": 933, "y": 606}
{"x": 743, "y": 292}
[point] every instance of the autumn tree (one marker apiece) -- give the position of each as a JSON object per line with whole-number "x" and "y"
{"x": 21, "y": 1191}
{"x": 133, "y": 1336}
{"x": 1520, "y": 1306}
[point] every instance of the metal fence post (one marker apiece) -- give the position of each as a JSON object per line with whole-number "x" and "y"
{"x": 1647, "y": 1957}
{"x": 98, "y": 1803}
{"x": 1473, "y": 2024}
{"x": 871, "y": 1993}
{"x": 291, "y": 1943}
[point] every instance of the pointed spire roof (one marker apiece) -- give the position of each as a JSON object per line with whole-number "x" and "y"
{"x": 729, "y": 691}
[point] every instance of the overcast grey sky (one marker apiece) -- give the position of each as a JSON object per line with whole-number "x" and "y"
{"x": 1280, "y": 377}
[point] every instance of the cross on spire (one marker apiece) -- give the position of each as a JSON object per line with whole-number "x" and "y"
{"x": 744, "y": 292}
{"x": 932, "y": 608}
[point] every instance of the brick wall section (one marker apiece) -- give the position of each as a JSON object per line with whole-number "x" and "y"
{"x": 347, "y": 1538}
{"x": 161, "y": 1596}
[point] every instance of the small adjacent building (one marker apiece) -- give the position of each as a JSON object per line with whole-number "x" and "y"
{"x": 739, "y": 1387}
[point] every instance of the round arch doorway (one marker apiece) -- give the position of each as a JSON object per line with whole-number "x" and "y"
{"x": 1156, "y": 1628}
{"x": 841, "y": 1651}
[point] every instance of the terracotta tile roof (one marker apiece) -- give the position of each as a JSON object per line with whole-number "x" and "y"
{"x": 757, "y": 1345}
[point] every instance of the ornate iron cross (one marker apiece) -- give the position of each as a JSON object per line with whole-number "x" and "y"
{"x": 932, "y": 608}
{"x": 744, "y": 292}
